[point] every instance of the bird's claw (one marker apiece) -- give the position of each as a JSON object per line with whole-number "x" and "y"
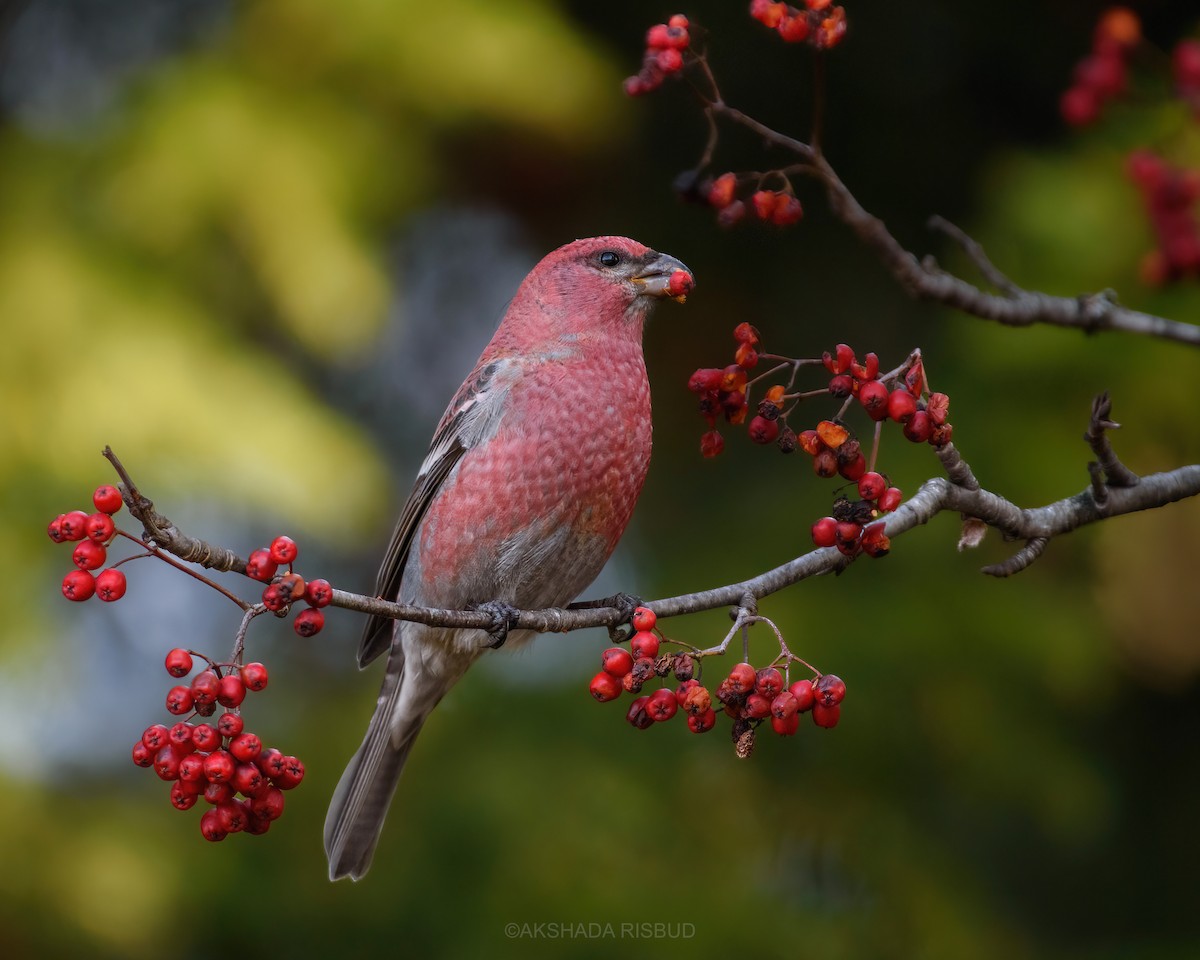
{"x": 504, "y": 618}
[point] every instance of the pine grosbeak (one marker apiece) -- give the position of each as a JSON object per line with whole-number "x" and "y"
{"x": 529, "y": 483}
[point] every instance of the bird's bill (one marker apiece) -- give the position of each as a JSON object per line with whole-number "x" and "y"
{"x": 664, "y": 276}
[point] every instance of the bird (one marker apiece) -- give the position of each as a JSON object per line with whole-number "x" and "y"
{"x": 530, "y": 480}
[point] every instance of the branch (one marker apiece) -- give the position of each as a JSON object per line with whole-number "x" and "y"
{"x": 925, "y": 280}
{"x": 959, "y": 491}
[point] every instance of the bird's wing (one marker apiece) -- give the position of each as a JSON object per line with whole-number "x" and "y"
{"x": 472, "y": 416}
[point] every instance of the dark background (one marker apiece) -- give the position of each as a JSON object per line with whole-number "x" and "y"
{"x": 255, "y": 248}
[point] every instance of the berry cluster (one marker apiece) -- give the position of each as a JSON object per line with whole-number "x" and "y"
{"x": 92, "y": 534}
{"x": 746, "y": 695}
{"x": 1103, "y": 74}
{"x": 665, "y": 44}
{"x": 821, "y": 24}
{"x": 777, "y": 207}
{"x": 283, "y": 589}
{"x": 218, "y": 761}
{"x": 1185, "y": 65}
{"x": 901, "y": 396}
{"x": 1170, "y": 195}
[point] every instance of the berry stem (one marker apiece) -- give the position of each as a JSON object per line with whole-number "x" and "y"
{"x": 250, "y": 611}
{"x": 153, "y": 551}
{"x": 875, "y": 445}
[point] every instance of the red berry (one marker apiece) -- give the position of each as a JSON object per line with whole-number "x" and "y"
{"x": 166, "y": 763}
{"x": 786, "y": 726}
{"x": 721, "y": 193}
{"x": 767, "y": 13}
{"x": 824, "y": 716}
{"x": 616, "y": 661}
{"x": 605, "y": 686}
{"x": 318, "y": 593}
{"x": 757, "y": 707}
{"x": 824, "y": 532}
{"x": 110, "y": 585}
{"x": 205, "y": 687}
{"x": 260, "y": 566}
{"x": 784, "y": 705}
{"x": 107, "y": 499}
{"x": 283, "y": 550}
{"x": 762, "y": 430}
{"x": 731, "y": 214}
{"x": 291, "y": 774}
{"x": 662, "y": 705}
{"x": 179, "y": 700}
{"x": 702, "y": 722}
{"x": 741, "y": 678}
{"x": 143, "y": 756}
{"x": 901, "y": 405}
{"x": 793, "y": 29}
{"x": 890, "y": 499}
{"x": 217, "y": 793}
{"x": 873, "y": 395}
{"x": 805, "y": 694}
{"x": 711, "y": 444}
{"x": 230, "y": 690}
{"x": 644, "y": 644}
{"x": 919, "y": 428}
{"x": 657, "y": 37}
{"x": 78, "y": 585}
{"x": 254, "y": 676}
{"x": 206, "y": 737}
{"x": 309, "y": 622}
{"x": 179, "y": 662}
{"x": 871, "y": 485}
{"x": 73, "y": 525}
{"x": 191, "y": 768}
{"x": 841, "y": 385}
{"x": 88, "y": 555}
{"x": 210, "y": 827}
{"x": 764, "y": 202}
{"x": 830, "y": 690}
{"x": 768, "y": 682}
{"x": 248, "y": 780}
{"x": 245, "y": 746}
{"x": 156, "y": 736}
{"x": 669, "y": 60}
{"x": 1079, "y": 106}
{"x": 268, "y": 806}
{"x": 219, "y": 766}
{"x": 100, "y": 527}
{"x": 825, "y": 463}
{"x": 180, "y": 735}
{"x": 644, "y": 619}
{"x": 678, "y": 21}
{"x": 874, "y": 541}
{"x": 54, "y": 530}
{"x": 848, "y": 532}
{"x": 229, "y": 724}
{"x": 1185, "y": 62}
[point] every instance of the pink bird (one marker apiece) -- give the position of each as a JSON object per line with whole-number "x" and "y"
{"x": 529, "y": 483}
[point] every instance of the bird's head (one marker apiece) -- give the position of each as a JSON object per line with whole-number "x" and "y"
{"x": 607, "y": 283}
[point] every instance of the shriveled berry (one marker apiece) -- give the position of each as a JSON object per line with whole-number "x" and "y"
{"x": 605, "y": 686}
{"x": 825, "y": 463}
{"x": 874, "y": 541}
{"x": 890, "y": 499}
{"x": 637, "y": 714}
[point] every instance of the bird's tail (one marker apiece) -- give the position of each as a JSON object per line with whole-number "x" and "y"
{"x": 360, "y": 803}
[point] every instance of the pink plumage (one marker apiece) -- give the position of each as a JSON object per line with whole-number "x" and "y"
{"x": 530, "y": 481}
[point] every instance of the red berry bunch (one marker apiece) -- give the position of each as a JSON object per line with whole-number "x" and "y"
{"x": 1185, "y": 66}
{"x": 1102, "y": 75}
{"x": 722, "y": 390}
{"x": 222, "y": 761}
{"x": 1170, "y": 195}
{"x": 747, "y": 696}
{"x": 777, "y": 207}
{"x": 284, "y": 589}
{"x": 92, "y": 534}
{"x": 665, "y": 46}
{"x": 820, "y": 24}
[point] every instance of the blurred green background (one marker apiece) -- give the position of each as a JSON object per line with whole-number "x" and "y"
{"x": 256, "y": 246}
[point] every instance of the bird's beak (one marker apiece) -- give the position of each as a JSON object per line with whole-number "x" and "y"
{"x": 664, "y": 276}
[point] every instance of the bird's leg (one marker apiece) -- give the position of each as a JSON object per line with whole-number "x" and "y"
{"x": 504, "y": 618}
{"x": 623, "y": 603}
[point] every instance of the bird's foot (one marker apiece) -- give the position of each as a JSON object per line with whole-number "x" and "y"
{"x": 504, "y": 618}
{"x": 623, "y": 603}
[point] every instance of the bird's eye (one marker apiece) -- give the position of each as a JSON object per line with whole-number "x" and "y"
{"x": 609, "y": 259}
